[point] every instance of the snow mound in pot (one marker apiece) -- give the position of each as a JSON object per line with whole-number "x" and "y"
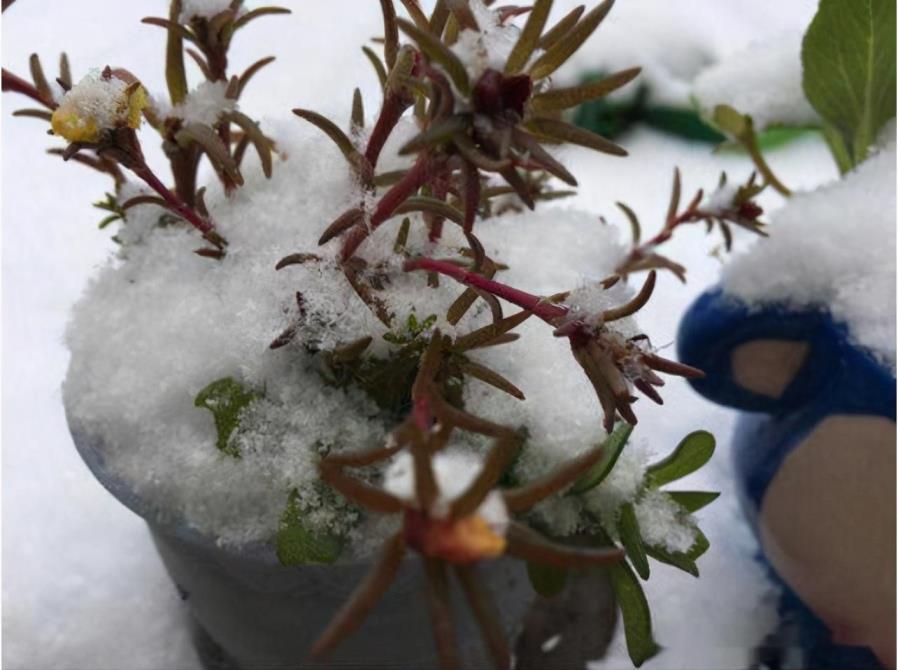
{"x": 159, "y": 324}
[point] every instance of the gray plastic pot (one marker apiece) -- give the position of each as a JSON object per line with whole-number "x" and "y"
{"x": 252, "y": 613}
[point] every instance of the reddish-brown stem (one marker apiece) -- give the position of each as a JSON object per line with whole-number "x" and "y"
{"x": 15, "y": 83}
{"x": 547, "y": 311}
{"x": 390, "y": 113}
{"x": 690, "y": 215}
{"x": 418, "y": 175}
{"x": 173, "y": 202}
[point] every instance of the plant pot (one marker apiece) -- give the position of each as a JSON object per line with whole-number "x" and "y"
{"x": 800, "y": 380}
{"x": 252, "y": 612}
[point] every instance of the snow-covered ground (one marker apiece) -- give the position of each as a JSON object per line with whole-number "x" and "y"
{"x": 82, "y": 587}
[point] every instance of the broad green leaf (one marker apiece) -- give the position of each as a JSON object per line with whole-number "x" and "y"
{"x": 848, "y": 62}
{"x": 226, "y": 399}
{"x": 692, "y": 501}
{"x": 630, "y": 537}
{"x": 691, "y": 454}
{"x": 635, "y": 612}
{"x": 611, "y": 449}
{"x": 296, "y": 545}
{"x": 547, "y": 580}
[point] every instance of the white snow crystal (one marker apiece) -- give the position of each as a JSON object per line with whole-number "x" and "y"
{"x": 205, "y": 104}
{"x": 487, "y": 48}
{"x": 454, "y": 472}
{"x": 134, "y": 375}
{"x": 202, "y": 8}
{"x": 622, "y": 485}
{"x": 763, "y": 81}
{"x": 97, "y": 99}
{"x": 720, "y": 199}
{"x": 661, "y": 522}
{"x": 832, "y": 248}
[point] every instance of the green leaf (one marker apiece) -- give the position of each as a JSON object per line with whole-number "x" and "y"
{"x": 848, "y": 62}
{"x": 439, "y": 53}
{"x": 635, "y": 612}
{"x": 297, "y": 545}
{"x": 630, "y": 537}
{"x": 175, "y": 75}
{"x": 529, "y": 37}
{"x": 547, "y": 580}
{"x": 692, "y": 501}
{"x": 555, "y": 56}
{"x": 565, "y": 98}
{"x": 691, "y": 454}
{"x": 226, "y": 398}
{"x": 559, "y": 131}
{"x": 733, "y": 122}
{"x": 685, "y": 561}
{"x": 611, "y": 449}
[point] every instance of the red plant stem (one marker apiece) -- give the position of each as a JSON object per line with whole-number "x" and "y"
{"x": 15, "y": 83}
{"x": 390, "y": 113}
{"x": 172, "y": 200}
{"x": 419, "y": 174}
{"x": 689, "y": 215}
{"x": 547, "y": 311}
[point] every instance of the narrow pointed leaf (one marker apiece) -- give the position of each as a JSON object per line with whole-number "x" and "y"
{"x": 611, "y": 450}
{"x": 438, "y": 52}
{"x": 565, "y": 98}
{"x": 529, "y": 37}
{"x": 262, "y": 144}
{"x": 555, "y": 56}
{"x": 630, "y": 537}
{"x": 37, "y": 76}
{"x": 635, "y": 612}
{"x": 250, "y": 72}
{"x": 175, "y": 74}
{"x": 560, "y": 29}
{"x": 256, "y": 13}
{"x": 560, "y": 131}
{"x": 65, "y": 70}
{"x": 693, "y": 501}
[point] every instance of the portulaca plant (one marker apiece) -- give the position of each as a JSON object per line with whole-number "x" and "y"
{"x": 335, "y": 347}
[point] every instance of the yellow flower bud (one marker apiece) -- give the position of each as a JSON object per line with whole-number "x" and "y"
{"x": 96, "y": 104}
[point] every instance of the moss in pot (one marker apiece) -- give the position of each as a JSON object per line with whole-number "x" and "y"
{"x": 297, "y": 404}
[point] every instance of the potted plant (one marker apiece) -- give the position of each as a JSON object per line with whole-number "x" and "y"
{"x": 800, "y": 334}
{"x": 306, "y": 377}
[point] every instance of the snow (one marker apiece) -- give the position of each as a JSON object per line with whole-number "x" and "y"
{"x": 95, "y": 99}
{"x": 834, "y": 248}
{"x": 487, "y": 48}
{"x": 110, "y": 605}
{"x": 763, "y": 81}
{"x": 674, "y": 43}
{"x": 661, "y": 523}
{"x": 203, "y": 105}
{"x": 454, "y": 472}
{"x": 202, "y": 8}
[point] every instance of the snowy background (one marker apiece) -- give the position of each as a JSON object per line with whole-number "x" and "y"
{"x": 83, "y": 588}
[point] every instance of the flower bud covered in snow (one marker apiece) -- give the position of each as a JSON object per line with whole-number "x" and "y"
{"x": 97, "y": 103}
